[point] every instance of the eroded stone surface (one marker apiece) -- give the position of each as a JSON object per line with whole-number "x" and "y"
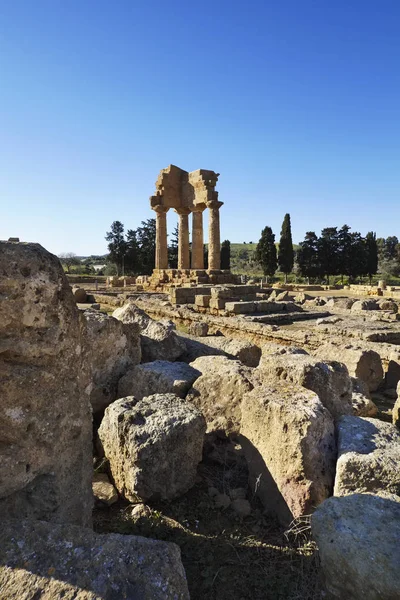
{"x": 45, "y": 419}
{"x": 158, "y": 339}
{"x": 219, "y": 390}
{"x": 289, "y": 443}
{"x": 358, "y": 540}
{"x": 330, "y": 380}
{"x": 153, "y": 445}
{"x": 49, "y": 561}
{"x": 363, "y": 364}
{"x": 112, "y": 349}
{"x": 368, "y": 457}
{"x": 158, "y": 377}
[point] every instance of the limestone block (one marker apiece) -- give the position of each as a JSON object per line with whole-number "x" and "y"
{"x": 153, "y": 445}
{"x": 330, "y": 380}
{"x": 48, "y": 561}
{"x": 358, "y": 541}
{"x": 361, "y": 363}
{"x": 289, "y": 444}
{"x": 342, "y": 303}
{"x": 158, "y": 377}
{"x": 368, "y": 457}
{"x": 45, "y": 417}
{"x": 198, "y": 328}
{"x": 221, "y": 292}
{"x": 217, "y": 303}
{"x": 218, "y": 392}
{"x": 112, "y": 349}
{"x": 283, "y": 296}
{"x": 202, "y": 300}
{"x": 158, "y": 340}
{"x": 239, "y": 308}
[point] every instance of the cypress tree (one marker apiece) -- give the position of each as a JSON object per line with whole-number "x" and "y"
{"x": 226, "y": 255}
{"x": 286, "y": 254}
{"x": 266, "y": 252}
{"x": 371, "y": 254}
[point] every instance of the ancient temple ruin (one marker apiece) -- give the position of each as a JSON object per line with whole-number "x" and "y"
{"x": 188, "y": 193}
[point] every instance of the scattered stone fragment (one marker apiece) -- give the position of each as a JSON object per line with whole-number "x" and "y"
{"x": 289, "y": 443}
{"x": 158, "y": 377}
{"x": 49, "y": 561}
{"x": 218, "y": 392}
{"x": 45, "y": 423}
{"x": 368, "y": 304}
{"x": 103, "y": 490}
{"x": 283, "y": 296}
{"x": 140, "y": 511}
{"x": 80, "y": 294}
{"x": 358, "y": 541}
{"x": 363, "y": 406}
{"x": 368, "y": 457}
{"x": 153, "y": 445}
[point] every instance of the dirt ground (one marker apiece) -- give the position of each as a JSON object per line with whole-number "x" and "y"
{"x": 225, "y": 557}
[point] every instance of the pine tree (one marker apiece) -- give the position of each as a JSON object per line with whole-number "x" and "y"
{"x": 117, "y": 245}
{"x": 132, "y": 258}
{"x": 371, "y": 254}
{"x": 146, "y": 237}
{"x": 328, "y": 252}
{"x": 266, "y": 252}
{"x": 286, "y": 254}
{"x": 307, "y": 256}
{"x": 173, "y": 249}
{"x": 226, "y": 255}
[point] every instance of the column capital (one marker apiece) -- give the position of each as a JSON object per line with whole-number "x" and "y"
{"x": 199, "y": 208}
{"x": 159, "y": 208}
{"x": 214, "y": 204}
{"x": 182, "y": 210}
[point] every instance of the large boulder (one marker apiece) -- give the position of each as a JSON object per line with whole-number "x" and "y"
{"x": 341, "y": 303}
{"x": 158, "y": 377}
{"x": 45, "y": 418}
{"x": 112, "y": 349}
{"x": 358, "y": 540}
{"x": 248, "y": 353}
{"x": 153, "y": 446}
{"x": 361, "y": 363}
{"x": 367, "y": 304}
{"x": 330, "y": 380}
{"x": 48, "y": 561}
{"x": 159, "y": 340}
{"x": 219, "y": 390}
{"x": 368, "y": 457}
{"x": 289, "y": 443}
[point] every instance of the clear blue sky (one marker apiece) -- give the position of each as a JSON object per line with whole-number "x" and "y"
{"x": 295, "y": 103}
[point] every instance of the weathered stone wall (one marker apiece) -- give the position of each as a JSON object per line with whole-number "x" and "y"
{"x": 45, "y": 417}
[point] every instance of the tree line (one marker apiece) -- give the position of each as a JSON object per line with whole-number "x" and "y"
{"x": 335, "y": 252}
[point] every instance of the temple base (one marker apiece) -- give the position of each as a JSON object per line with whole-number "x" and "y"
{"x": 163, "y": 279}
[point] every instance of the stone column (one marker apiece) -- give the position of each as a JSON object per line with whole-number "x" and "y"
{"x": 161, "y": 237}
{"x": 214, "y": 236}
{"x": 183, "y": 239}
{"x": 197, "y": 240}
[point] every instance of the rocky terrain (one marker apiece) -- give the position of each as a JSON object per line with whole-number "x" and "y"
{"x": 249, "y": 451}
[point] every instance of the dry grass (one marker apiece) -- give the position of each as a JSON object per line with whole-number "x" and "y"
{"x": 226, "y": 557}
